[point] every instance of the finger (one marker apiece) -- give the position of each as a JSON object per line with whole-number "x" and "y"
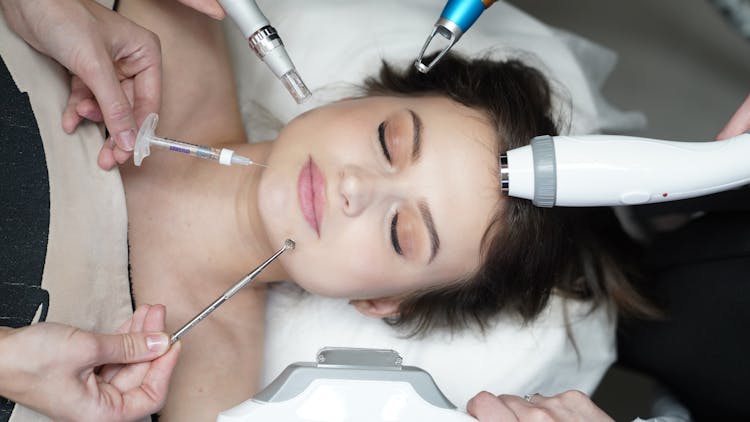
{"x": 108, "y": 372}
{"x": 89, "y": 109}
{"x": 116, "y": 109}
{"x": 152, "y": 393}
{"x": 739, "y": 123}
{"x": 577, "y": 405}
{"x": 530, "y": 410}
{"x": 121, "y": 156}
{"x": 78, "y": 92}
{"x": 146, "y": 90}
{"x": 155, "y": 319}
{"x": 134, "y": 323}
{"x": 488, "y": 408}
{"x": 127, "y": 87}
{"x": 70, "y": 119}
{"x": 125, "y": 327}
{"x": 106, "y": 158}
{"x": 209, "y": 7}
{"x": 131, "y": 376}
{"x": 140, "y": 72}
{"x": 139, "y": 317}
{"x": 130, "y": 347}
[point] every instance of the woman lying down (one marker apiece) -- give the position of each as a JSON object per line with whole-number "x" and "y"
{"x": 393, "y": 200}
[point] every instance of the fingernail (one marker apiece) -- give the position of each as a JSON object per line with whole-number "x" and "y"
{"x": 157, "y": 343}
{"x": 127, "y": 139}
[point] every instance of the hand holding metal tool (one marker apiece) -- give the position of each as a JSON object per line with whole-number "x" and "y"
{"x": 288, "y": 244}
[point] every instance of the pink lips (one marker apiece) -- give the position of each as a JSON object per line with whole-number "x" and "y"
{"x": 311, "y": 192}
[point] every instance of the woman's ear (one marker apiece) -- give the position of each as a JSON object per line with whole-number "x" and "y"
{"x": 377, "y": 308}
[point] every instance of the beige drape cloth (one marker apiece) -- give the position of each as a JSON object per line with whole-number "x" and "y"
{"x": 86, "y": 266}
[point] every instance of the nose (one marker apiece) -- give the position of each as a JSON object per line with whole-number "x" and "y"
{"x": 357, "y": 190}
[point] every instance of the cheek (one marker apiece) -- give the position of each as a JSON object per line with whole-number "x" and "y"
{"x": 274, "y": 200}
{"x": 342, "y": 270}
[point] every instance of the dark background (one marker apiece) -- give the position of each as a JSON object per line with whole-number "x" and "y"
{"x": 686, "y": 68}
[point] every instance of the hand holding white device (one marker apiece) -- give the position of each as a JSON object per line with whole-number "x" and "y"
{"x": 607, "y": 170}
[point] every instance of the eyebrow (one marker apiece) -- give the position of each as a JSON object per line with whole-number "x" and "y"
{"x": 423, "y": 208}
{"x": 430, "y": 224}
{"x": 416, "y": 149}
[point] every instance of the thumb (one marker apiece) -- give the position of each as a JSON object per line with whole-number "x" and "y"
{"x": 130, "y": 347}
{"x": 114, "y": 104}
{"x": 740, "y": 122}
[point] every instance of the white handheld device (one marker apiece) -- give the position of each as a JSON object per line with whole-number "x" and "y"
{"x": 349, "y": 385}
{"x": 608, "y": 170}
{"x": 265, "y": 41}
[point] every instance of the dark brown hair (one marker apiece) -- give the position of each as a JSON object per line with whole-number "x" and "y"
{"x": 527, "y": 252}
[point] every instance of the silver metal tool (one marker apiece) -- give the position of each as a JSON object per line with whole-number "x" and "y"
{"x": 288, "y": 244}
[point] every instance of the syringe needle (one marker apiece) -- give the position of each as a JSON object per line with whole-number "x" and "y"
{"x": 244, "y": 161}
{"x": 288, "y": 244}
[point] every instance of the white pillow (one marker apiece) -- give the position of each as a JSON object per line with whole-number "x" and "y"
{"x": 336, "y": 44}
{"x": 509, "y": 358}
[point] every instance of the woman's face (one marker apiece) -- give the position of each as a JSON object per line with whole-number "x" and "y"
{"x": 383, "y": 195}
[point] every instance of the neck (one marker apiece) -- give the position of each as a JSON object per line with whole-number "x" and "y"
{"x": 248, "y": 218}
{"x": 234, "y": 239}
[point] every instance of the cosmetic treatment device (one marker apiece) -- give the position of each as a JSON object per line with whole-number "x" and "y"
{"x": 265, "y": 41}
{"x": 147, "y": 138}
{"x": 456, "y": 18}
{"x": 609, "y": 170}
{"x": 349, "y": 385}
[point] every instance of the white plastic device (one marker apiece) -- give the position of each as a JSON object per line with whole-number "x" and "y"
{"x": 349, "y": 385}
{"x": 265, "y": 41}
{"x": 609, "y": 170}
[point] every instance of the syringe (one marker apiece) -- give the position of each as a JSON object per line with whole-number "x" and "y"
{"x": 146, "y": 138}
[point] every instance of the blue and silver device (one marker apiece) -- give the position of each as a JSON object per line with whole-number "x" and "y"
{"x": 456, "y": 18}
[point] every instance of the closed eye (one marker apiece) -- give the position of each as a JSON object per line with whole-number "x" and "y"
{"x": 394, "y": 235}
{"x": 381, "y": 137}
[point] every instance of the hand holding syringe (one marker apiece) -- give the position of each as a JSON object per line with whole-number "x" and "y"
{"x": 147, "y": 138}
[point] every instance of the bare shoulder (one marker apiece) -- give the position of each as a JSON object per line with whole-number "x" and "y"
{"x": 199, "y": 100}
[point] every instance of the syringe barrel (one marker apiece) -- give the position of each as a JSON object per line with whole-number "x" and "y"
{"x": 187, "y": 148}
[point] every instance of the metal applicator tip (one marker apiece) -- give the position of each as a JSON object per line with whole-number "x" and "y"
{"x": 289, "y": 244}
